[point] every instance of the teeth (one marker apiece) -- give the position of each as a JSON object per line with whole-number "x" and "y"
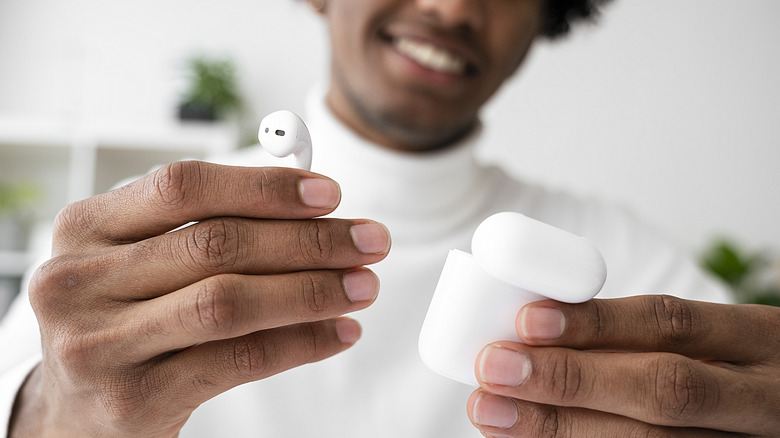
{"x": 431, "y": 56}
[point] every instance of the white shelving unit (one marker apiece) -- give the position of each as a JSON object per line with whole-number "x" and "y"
{"x": 70, "y": 161}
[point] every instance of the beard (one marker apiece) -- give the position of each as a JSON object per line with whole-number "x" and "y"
{"x": 408, "y": 129}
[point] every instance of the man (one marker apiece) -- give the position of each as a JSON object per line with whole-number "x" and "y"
{"x": 140, "y": 326}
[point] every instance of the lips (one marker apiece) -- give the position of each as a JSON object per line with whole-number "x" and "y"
{"x": 431, "y": 56}
{"x": 445, "y": 54}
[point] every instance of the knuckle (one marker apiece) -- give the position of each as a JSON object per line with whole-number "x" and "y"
{"x": 57, "y": 280}
{"x": 70, "y": 349}
{"x": 82, "y": 354}
{"x": 549, "y": 423}
{"x": 213, "y": 309}
{"x": 317, "y": 243}
{"x": 566, "y": 379}
{"x": 654, "y": 432}
{"x": 72, "y": 327}
{"x": 681, "y": 392}
{"x": 312, "y": 341}
{"x": 213, "y": 244}
{"x": 67, "y": 218}
{"x": 674, "y": 319}
{"x": 250, "y": 356}
{"x": 268, "y": 186}
{"x": 43, "y": 282}
{"x": 176, "y": 183}
{"x": 71, "y": 222}
{"x": 539, "y": 420}
{"x": 203, "y": 384}
{"x": 314, "y": 291}
{"x": 602, "y": 319}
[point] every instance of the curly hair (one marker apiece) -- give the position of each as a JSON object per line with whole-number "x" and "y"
{"x": 560, "y": 14}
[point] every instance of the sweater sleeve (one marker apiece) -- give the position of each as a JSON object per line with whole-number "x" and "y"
{"x": 646, "y": 260}
{"x": 641, "y": 258}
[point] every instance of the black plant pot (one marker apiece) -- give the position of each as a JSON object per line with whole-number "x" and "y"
{"x": 196, "y": 111}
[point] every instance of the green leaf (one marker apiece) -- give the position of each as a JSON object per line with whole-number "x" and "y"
{"x": 213, "y": 84}
{"x": 724, "y": 260}
{"x": 768, "y": 299}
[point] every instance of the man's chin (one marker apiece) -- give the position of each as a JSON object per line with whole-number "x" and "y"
{"x": 407, "y": 123}
{"x": 415, "y": 138}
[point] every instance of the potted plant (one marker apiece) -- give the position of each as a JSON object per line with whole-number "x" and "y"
{"x": 754, "y": 278}
{"x": 212, "y": 93}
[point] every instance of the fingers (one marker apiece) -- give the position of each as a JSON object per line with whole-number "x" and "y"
{"x": 705, "y": 331}
{"x": 207, "y": 370}
{"x": 183, "y": 192}
{"x": 162, "y": 264}
{"x": 497, "y": 416}
{"x": 229, "y": 306}
{"x": 661, "y": 389}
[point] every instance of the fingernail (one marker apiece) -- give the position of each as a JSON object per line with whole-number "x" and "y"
{"x": 542, "y": 323}
{"x": 371, "y": 238}
{"x": 348, "y": 331}
{"x": 501, "y": 366}
{"x": 320, "y": 193}
{"x": 361, "y": 285}
{"x": 494, "y": 411}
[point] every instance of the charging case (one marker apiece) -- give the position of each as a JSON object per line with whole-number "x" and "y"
{"x": 516, "y": 260}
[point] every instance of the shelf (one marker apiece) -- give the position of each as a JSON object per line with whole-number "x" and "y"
{"x": 171, "y": 136}
{"x": 72, "y": 161}
{"x": 34, "y": 133}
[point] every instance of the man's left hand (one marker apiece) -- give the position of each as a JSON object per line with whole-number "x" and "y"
{"x": 649, "y": 366}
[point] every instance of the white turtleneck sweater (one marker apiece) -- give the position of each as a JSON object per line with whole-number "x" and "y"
{"x": 431, "y": 203}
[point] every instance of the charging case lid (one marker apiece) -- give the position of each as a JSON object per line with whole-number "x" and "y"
{"x": 539, "y": 258}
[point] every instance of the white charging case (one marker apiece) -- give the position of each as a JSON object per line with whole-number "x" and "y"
{"x": 516, "y": 260}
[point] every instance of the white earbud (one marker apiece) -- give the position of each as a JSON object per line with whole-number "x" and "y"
{"x": 516, "y": 260}
{"x": 283, "y": 133}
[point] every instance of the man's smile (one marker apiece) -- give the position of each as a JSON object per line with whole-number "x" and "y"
{"x": 413, "y": 74}
{"x": 430, "y": 56}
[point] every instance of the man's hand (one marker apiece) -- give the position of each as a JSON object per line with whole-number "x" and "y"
{"x": 141, "y": 324}
{"x": 651, "y": 366}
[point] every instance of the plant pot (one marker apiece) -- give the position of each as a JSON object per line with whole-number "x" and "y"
{"x": 197, "y": 112}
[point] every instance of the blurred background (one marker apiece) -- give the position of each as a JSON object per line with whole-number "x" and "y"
{"x": 670, "y": 107}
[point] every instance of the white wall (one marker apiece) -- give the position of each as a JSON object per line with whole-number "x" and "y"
{"x": 667, "y": 105}
{"x": 106, "y": 60}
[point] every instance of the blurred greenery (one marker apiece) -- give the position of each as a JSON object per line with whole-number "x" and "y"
{"x": 16, "y": 208}
{"x": 17, "y": 197}
{"x": 752, "y": 276}
{"x": 213, "y": 86}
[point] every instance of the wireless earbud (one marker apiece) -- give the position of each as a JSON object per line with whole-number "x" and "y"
{"x": 516, "y": 260}
{"x": 283, "y": 133}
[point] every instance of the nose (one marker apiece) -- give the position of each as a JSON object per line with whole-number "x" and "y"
{"x": 455, "y": 13}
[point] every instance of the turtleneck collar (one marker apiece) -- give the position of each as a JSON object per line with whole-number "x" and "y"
{"x": 417, "y": 195}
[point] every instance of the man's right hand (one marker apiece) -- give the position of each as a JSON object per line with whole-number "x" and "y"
{"x": 141, "y": 324}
